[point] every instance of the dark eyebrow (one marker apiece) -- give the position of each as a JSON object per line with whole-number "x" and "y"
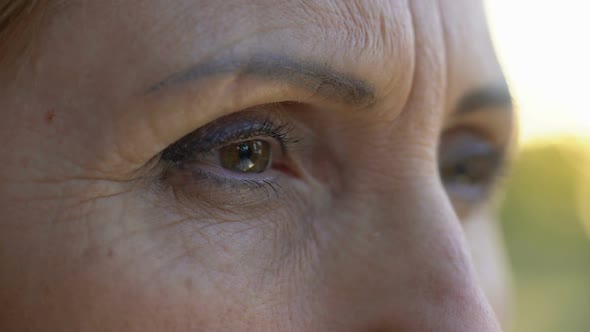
{"x": 485, "y": 97}
{"x": 318, "y": 78}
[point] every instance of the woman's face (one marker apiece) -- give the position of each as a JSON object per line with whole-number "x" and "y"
{"x": 252, "y": 166}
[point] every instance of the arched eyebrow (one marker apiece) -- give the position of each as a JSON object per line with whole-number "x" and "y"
{"x": 486, "y": 97}
{"x": 319, "y": 79}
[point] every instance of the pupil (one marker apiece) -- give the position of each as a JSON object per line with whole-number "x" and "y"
{"x": 461, "y": 170}
{"x": 244, "y": 151}
{"x": 246, "y": 157}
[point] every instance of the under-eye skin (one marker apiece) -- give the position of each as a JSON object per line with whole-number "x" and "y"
{"x": 469, "y": 164}
{"x": 246, "y": 149}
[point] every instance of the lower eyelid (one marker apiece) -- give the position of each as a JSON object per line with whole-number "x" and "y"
{"x": 194, "y": 187}
{"x": 199, "y": 169}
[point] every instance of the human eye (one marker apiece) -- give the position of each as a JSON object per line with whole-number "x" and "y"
{"x": 245, "y": 152}
{"x": 469, "y": 164}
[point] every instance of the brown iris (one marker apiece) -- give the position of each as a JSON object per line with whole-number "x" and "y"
{"x": 246, "y": 157}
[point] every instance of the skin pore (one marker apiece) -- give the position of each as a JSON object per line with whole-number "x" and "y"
{"x": 376, "y": 130}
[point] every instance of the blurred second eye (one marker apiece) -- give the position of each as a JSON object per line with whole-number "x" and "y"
{"x": 468, "y": 164}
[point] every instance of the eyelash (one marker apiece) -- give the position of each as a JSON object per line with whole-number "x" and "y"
{"x": 228, "y": 130}
{"x": 464, "y": 152}
{"x": 214, "y": 136}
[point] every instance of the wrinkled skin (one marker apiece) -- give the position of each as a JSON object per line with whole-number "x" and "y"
{"x": 365, "y": 238}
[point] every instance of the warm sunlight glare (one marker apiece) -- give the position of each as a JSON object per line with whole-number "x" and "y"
{"x": 544, "y": 48}
{"x": 583, "y": 203}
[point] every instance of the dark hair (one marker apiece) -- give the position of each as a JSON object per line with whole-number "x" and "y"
{"x": 14, "y": 25}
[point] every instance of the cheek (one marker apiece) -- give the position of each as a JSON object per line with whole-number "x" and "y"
{"x": 123, "y": 264}
{"x": 227, "y": 273}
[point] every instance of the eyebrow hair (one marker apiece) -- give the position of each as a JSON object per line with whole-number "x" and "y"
{"x": 485, "y": 97}
{"x": 320, "y": 79}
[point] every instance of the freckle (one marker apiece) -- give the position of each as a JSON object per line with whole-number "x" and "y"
{"x": 49, "y": 116}
{"x": 110, "y": 253}
{"x": 188, "y": 284}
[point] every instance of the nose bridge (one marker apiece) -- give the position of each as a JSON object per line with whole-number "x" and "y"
{"x": 402, "y": 265}
{"x": 393, "y": 255}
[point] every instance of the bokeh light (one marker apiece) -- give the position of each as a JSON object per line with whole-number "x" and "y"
{"x": 544, "y": 49}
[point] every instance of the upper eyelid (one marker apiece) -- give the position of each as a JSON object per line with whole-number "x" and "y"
{"x": 199, "y": 141}
{"x": 233, "y": 128}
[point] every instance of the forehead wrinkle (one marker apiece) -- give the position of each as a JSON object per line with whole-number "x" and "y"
{"x": 356, "y": 34}
{"x": 363, "y": 26}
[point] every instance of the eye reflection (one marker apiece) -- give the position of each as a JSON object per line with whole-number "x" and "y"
{"x": 246, "y": 157}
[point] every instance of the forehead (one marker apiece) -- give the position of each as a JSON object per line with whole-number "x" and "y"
{"x": 370, "y": 38}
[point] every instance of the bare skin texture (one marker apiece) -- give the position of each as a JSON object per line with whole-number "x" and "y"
{"x": 356, "y": 233}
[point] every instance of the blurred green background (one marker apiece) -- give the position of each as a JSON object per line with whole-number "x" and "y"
{"x": 543, "y": 217}
{"x": 542, "y": 46}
